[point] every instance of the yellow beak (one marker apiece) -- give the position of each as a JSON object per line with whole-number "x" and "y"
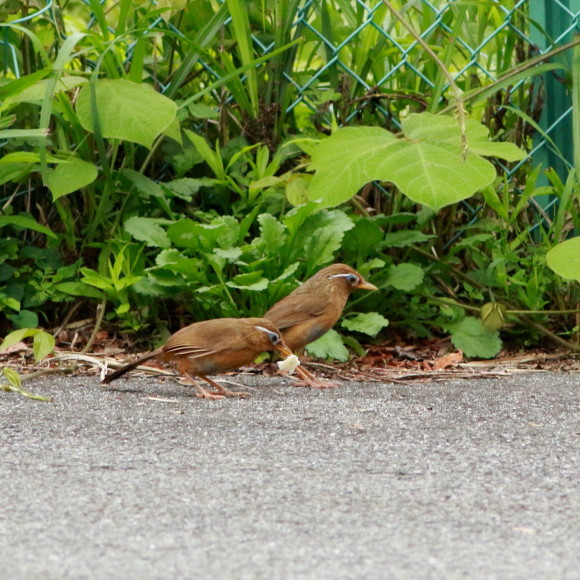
{"x": 364, "y": 285}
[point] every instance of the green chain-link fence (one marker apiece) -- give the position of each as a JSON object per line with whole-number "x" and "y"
{"x": 493, "y": 38}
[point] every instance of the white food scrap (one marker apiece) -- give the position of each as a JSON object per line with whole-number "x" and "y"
{"x": 289, "y": 364}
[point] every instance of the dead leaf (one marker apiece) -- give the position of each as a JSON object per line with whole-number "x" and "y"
{"x": 449, "y": 360}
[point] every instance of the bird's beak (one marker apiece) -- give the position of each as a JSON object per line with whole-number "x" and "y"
{"x": 283, "y": 350}
{"x": 364, "y": 285}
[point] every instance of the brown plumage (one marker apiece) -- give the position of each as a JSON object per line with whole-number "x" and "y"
{"x": 212, "y": 347}
{"x": 314, "y": 307}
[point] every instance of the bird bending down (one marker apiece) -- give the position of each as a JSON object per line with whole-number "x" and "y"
{"x": 212, "y": 347}
{"x": 314, "y": 308}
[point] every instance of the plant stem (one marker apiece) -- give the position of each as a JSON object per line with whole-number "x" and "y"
{"x": 98, "y": 322}
{"x": 459, "y": 103}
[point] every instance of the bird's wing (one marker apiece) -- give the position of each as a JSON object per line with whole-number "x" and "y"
{"x": 204, "y": 339}
{"x": 295, "y": 309}
{"x": 184, "y": 349}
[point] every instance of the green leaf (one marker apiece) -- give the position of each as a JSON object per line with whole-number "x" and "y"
{"x": 404, "y": 238}
{"x": 443, "y": 129}
{"x": 471, "y": 336}
{"x": 25, "y": 222}
{"x": 25, "y": 319}
{"x": 143, "y": 184}
{"x": 432, "y": 173}
{"x": 493, "y": 315}
{"x": 12, "y": 377}
{"x": 564, "y": 259}
{"x": 405, "y": 277}
{"x": 324, "y": 237}
{"x": 328, "y": 346}
{"x": 297, "y": 189}
{"x": 95, "y": 279}
{"x": 69, "y": 177}
{"x": 78, "y": 289}
{"x": 147, "y": 230}
{"x": 18, "y": 335}
{"x": 272, "y": 234}
{"x": 185, "y": 188}
{"x": 127, "y": 110}
{"x": 230, "y": 254}
{"x": 370, "y": 323}
{"x": 11, "y": 303}
{"x": 43, "y": 345}
{"x": 251, "y": 281}
{"x": 36, "y": 92}
{"x": 201, "y": 111}
{"x": 212, "y": 158}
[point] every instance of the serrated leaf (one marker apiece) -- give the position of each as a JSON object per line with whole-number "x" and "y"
{"x": 185, "y": 188}
{"x": 471, "y": 336}
{"x": 147, "y": 230}
{"x": 287, "y": 272}
{"x": 324, "y": 236}
{"x": 272, "y": 234}
{"x": 370, "y": 323}
{"x": 43, "y": 345}
{"x": 328, "y": 346}
{"x": 432, "y": 173}
{"x": 127, "y": 110}
{"x": 142, "y": 183}
{"x": 230, "y": 254}
{"x": 251, "y": 281}
{"x": 404, "y": 238}
{"x": 69, "y": 177}
{"x": 405, "y": 277}
{"x": 564, "y": 259}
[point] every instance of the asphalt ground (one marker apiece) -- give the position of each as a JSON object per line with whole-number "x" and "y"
{"x": 464, "y": 479}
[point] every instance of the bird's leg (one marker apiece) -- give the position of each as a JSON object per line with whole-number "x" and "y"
{"x": 222, "y": 390}
{"x": 309, "y": 380}
{"x": 200, "y": 392}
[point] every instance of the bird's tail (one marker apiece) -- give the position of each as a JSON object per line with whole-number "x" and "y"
{"x": 120, "y": 372}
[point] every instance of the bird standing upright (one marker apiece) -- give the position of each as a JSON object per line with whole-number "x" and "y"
{"x": 212, "y": 347}
{"x": 314, "y": 308}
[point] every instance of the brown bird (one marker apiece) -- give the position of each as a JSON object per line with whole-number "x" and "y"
{"x": 212, "y": 347}
{"x": 314, "y": 308}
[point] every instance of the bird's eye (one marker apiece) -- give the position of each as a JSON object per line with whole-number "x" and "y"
{"x": 273, "y": 336}
{"x": 352, "y": 279}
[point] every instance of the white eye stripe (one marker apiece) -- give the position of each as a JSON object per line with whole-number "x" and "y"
{"x": 344, "y": 276}
{"x": 272, "y": 335}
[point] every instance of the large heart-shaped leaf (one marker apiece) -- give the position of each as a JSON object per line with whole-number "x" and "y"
{"x": 127, "y": 110}
{"x": 428, "y": 165}
{"x": 564, "y": 259}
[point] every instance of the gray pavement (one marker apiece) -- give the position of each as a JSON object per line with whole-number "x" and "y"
{"x": 464, "y": 479}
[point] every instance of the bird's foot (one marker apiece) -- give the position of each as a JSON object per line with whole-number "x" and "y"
{"x": 221, "y": 390}
{"x": 309, "y": 380}
{"x": 201, "y": 393}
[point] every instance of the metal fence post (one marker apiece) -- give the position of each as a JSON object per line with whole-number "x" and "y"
{"x": 554, "y": 22}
